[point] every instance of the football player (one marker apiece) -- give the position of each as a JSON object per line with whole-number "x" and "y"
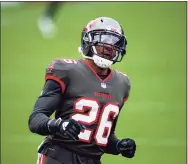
{"x": 87, "y": 97}
{"x": 46, "y": 23}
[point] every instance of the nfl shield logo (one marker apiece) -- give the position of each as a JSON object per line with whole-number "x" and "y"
{"x": 103, "y": 85}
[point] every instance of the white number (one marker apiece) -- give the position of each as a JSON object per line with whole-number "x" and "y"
{"x": 70, "y": 61}
{"x": 104, "y": 124}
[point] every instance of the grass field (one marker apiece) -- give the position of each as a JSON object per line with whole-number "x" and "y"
{"x": 155, "y": 115}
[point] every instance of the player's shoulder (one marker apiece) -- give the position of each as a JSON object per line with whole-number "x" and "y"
{"x": 122, "y": 77}
{"x": 61, "y": 64}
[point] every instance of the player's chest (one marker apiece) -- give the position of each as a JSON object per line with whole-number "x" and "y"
{"x": 96, "y": 104}
{"x": 103, "y": 92}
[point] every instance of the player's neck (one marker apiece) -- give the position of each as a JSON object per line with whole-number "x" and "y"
{"x": 98, "y": 70}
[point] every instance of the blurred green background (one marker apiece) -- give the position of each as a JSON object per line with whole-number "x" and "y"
{"x": 155, "y": 115}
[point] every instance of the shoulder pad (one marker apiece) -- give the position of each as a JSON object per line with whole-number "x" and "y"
{"x": 58, "y": 70}
{"x": 124, "y": 76}
{"x": 126, "y": 82}
{"x": 60, "y": 64}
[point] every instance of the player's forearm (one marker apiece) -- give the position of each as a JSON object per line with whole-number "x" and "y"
{"x": 45, "y": 105}
{"x": 38, "y": 123}
{"x": 111, "y": 147}
{"x": 39, "y": 118}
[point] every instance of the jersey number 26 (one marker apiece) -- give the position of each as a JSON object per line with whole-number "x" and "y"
{"x": 104, "y": 122}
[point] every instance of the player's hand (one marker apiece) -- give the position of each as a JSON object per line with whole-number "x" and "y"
{"x": 70, "y": 128}
{"x": 127, "y": 147}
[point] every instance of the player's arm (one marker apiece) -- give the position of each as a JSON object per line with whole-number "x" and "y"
{"x": 112, "y": 141}
{"x": 127, "y": 146}
{"x": 50, "y": 99}
{"x": 45, "y": 105}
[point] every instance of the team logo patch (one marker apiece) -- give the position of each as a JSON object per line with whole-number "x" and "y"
{"x": 103, "y": 85}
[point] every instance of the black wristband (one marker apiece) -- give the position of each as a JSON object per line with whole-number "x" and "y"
{"x": 54, "y": 125}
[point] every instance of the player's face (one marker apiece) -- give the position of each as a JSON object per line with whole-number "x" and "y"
{"x": 106, "y": 51}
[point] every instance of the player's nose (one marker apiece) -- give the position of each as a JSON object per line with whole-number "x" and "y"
{"x": 108, "y": 49}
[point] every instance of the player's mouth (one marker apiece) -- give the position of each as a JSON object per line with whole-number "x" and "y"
{"x": 107, "y": 56}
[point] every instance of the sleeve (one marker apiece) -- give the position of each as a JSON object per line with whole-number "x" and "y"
{"x": 45, "y": 105}
{"x": 127, "y": 90}
{"x": 59, "y": 72}
{"x": 56, "y": 78}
